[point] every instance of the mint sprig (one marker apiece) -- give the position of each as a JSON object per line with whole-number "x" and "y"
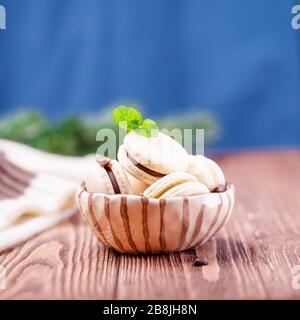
{"x": 129, "y": 119}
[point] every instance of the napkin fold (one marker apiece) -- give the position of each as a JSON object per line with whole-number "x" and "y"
{"x": 37, "y": 190}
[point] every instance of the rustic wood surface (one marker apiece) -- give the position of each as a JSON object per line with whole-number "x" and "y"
{"x": 251, "y": 258}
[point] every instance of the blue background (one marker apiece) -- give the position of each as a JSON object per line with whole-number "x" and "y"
{"x": 237, "y": 59}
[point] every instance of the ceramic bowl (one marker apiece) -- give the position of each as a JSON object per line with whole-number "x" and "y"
{"x": 135, "y": 224}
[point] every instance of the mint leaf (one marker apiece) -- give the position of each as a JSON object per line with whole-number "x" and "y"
{"x": 128, "y": 118}
{"x": 149, "y": 125}
{"x": 148, "y": 129}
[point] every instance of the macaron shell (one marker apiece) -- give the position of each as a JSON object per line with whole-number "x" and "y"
{"x": 216, "y": 173}
{"x": 137, "y": 186}
{"x": 162, "y": 153}
{"x": 133, "y": 170}
{"x": 164, "y": 184}
{"x": 206, "y": 171}
{"x": 97, "y": 180}
{"x": 121, "y": 177}
{"x": 186, "y": 189}
{"x": 198, "y": 168}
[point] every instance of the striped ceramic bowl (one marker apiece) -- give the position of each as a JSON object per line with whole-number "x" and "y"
{"x": 135, "y": 224}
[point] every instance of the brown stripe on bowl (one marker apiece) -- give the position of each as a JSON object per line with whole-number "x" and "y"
{"x": 135, "y": 224}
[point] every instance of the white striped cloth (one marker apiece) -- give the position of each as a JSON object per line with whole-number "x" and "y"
{"x": 37, "y": 190}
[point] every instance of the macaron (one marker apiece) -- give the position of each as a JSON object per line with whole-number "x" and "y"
{"x": 107, "y": 176}
{"x": 174, "y": 185}
{"x": 207, "y": 171}
{"x": 186, "y": 189}
{"x": 151, "y": 158}
{"x": 137, "y": 186}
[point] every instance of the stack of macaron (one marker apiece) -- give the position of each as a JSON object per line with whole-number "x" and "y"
{"x": 155, "y": 167}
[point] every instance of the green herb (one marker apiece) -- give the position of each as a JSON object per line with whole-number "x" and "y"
{"x": 128, "y": 118}
{"x": 148, "y": 128}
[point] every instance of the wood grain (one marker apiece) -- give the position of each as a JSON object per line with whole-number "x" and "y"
{"x": 251, "y": 258}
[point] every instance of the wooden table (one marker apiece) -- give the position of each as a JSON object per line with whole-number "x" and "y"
{"x": 254, "y": 256}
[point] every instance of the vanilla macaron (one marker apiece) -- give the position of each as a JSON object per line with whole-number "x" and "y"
{"x": 151, "y": 158}
{"x": 207, "y": 171}
{"x": 107, "y": 176}
{"x": 137, "y": 186}
{"x": 177, "y": 184}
